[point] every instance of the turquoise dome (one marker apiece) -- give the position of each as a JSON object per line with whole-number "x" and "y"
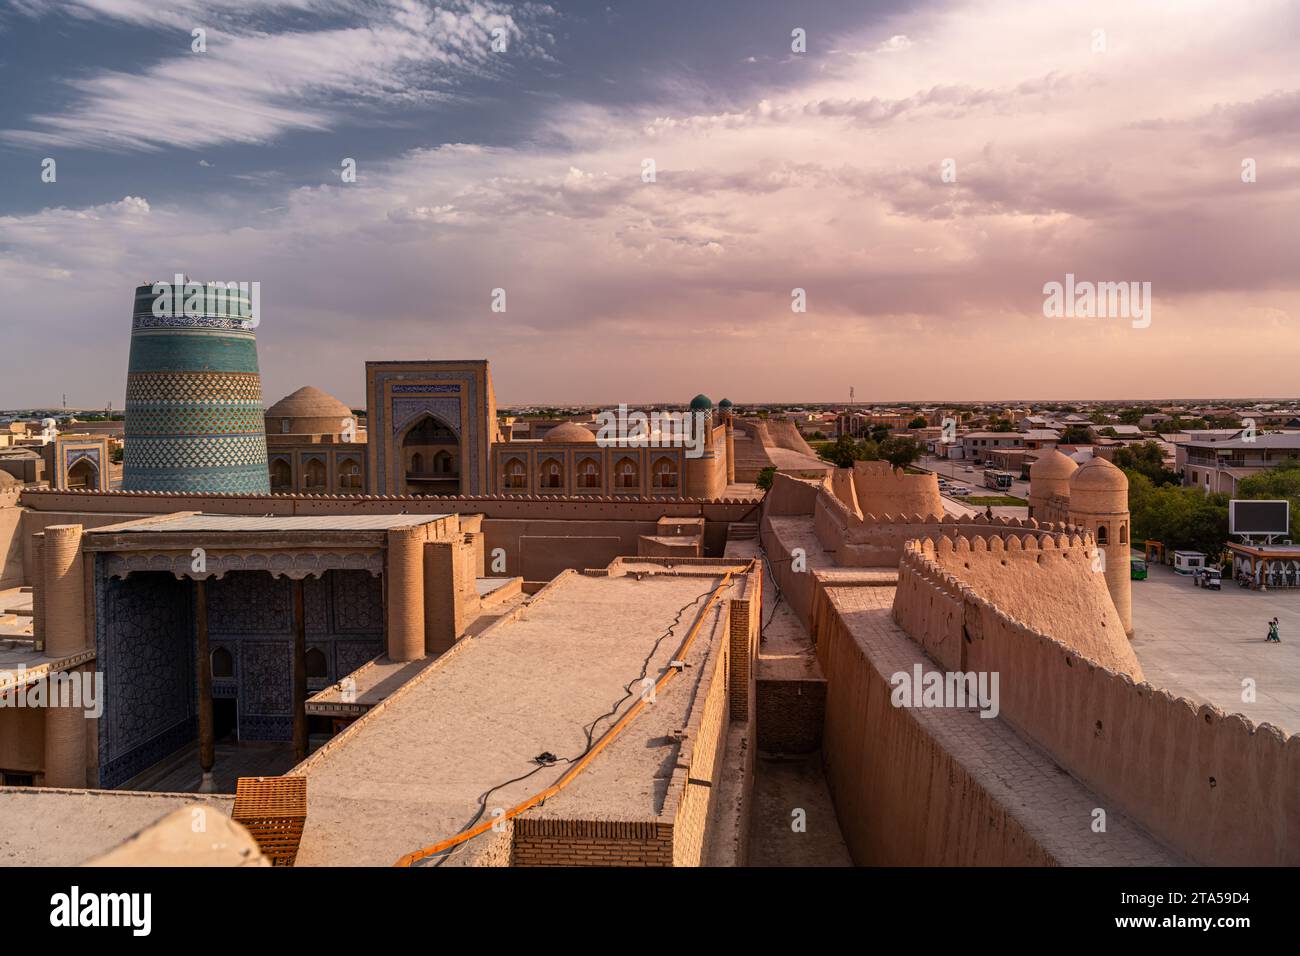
{"x": 701, "y": 403}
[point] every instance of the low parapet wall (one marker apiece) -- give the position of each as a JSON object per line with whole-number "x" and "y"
{"x": 1217, "y": 788}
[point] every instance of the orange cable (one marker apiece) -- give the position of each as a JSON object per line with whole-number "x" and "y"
{"x": 428, "y": 851}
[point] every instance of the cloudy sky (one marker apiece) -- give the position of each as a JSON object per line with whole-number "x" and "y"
{"x": 1106, "y": 140}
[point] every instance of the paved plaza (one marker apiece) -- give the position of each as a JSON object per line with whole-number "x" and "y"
{"x": 1202, "y": 644}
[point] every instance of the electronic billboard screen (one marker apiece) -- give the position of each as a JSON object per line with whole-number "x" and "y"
{"x": 1259, "y": 517}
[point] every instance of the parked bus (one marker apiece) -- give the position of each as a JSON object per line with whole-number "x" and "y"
{"x": 1001, "y": 480}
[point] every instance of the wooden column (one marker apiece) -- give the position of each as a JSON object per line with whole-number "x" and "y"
{"x": 299, "y": 673}
{"x": 203, "y": 661}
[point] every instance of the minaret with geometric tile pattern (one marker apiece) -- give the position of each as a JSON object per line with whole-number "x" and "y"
{"x": 194, "y": 415}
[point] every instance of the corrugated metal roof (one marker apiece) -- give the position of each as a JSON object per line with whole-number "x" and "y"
{"x": 273, "y": 523}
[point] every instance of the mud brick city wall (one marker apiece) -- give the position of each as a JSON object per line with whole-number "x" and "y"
{"x": 1215, "y": 787}
{"x": 879, "y": 757}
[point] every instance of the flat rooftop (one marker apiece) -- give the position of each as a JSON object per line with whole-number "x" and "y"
{"x": 52, "y": 827}
{"x": 412, "y": 772}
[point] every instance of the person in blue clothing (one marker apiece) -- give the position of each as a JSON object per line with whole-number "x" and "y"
{"x": 1272, "y": 633}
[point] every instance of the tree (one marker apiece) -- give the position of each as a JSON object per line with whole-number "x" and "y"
{"x": 1076, "y": 435}
{"x": 1000, "y": 425}
{"x": 764, "y": 479}
{"x": 844, "y": 451}
{"x": 918, "y": 422}
{"x": 1185, "y": 519}
{"x": 899, "y": 452}
{"x": 1145, "y": 459}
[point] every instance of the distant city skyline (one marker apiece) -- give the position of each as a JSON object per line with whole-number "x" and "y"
{"x": 1110, "y": 142}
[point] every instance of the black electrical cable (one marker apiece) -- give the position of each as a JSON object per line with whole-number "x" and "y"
{"x": 589, "y": 729}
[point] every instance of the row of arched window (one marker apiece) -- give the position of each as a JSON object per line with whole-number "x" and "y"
{"x": 314, "y": 476}
{"x": 588, "y": 477}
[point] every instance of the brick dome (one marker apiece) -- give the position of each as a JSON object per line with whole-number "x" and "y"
{"x": 1099, "y": 486}
{"x": 569, "y": 433}
{"x": 1053, "y": 465}
{"x": 310, "y": 412}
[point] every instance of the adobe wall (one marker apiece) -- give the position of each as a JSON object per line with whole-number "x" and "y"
{"x": 791, "y": 496}
{"x": 695, "y": 781}
{"x": 782, "y": 433}
{"x": 584, "y": 507}
{"x": 35, "y": 522}
{"x": 539, "y": 536}
{"x": 12, "y": 572}
{"x": 877, "y": 540}
{"x": 22, "y": 739}
{"x": 880, "y": 760}
{"x": 1046, "y": 582}
{"x": 791, "y": 713}
{"x": 1217, "y": 788}
{"x": 883, "y": 489}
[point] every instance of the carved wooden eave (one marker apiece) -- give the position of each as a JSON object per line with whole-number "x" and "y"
{"x": 295, "y": 565}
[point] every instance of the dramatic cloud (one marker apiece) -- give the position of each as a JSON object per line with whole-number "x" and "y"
{"x": 920, "y": 192}
{"x": 252, "y": 87}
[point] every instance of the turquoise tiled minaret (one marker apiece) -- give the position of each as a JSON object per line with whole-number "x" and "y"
{"x": 194, "y": 400}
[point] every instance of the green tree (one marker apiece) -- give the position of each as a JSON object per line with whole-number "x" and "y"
{"x": 764, "y": 479}
{"x": 845, "y": 450}
{"x": 1145, "y": 459}
{"x": 899, "y": 452}
{"x": 1076, "y": 435}
{"x": 918, "y": 422}
{"x": 1185, "y": 519}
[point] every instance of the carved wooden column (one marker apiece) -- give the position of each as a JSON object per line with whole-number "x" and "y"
{"x": 299, "y": 672}
{"x": 203, "y": 661}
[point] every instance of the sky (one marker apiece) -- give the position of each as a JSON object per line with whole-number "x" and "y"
{"x": 649, "y": 183}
